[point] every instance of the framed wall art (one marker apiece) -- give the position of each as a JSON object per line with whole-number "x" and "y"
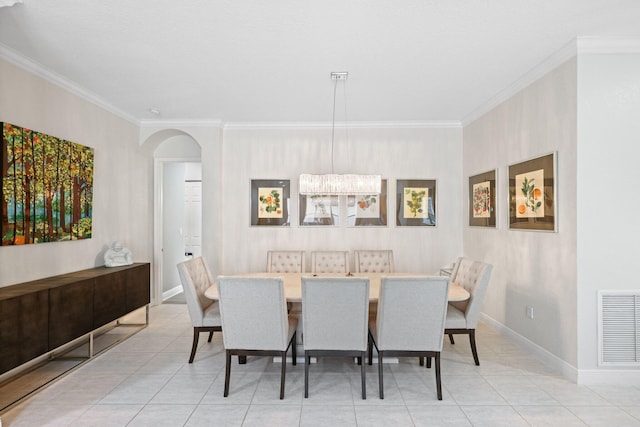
{"x": 47, "y": 188}
{"x": 319, "y": 210}
{"x": 416, "y": 202}
{"x": 482, "y": 199}
{"x": 270, "y": 202}
{"x": 533, "y": 194}
{"x": 368, "y": 210}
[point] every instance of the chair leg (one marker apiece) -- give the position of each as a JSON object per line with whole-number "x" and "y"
{"x": 307, "y": 360}
{"x": 380, "y": 383}
{"x": 428, "y": 362}
{"x": 210, "y": 336}
{"x": 474, "y": 350}
{"x": 294, "y": 352}
{"x": 370, "y": 347}
{"x": 194, "y": 346}
{"x": 363, "y": 371}
{"x": 451, "y": 338}
{"x": 421, "y": 361}
{"x": 283, "y": 373}
{"x": 227, "y": 374}
{"x": 438, "y": 379}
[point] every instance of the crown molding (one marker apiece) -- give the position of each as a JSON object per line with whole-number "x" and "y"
{"x": 180, "y": 124}
{"x": 38, "y": 70}
{"x": 559, "y": 57}
{"x": 430, "y": 124}
{"x": 608, "y": 45}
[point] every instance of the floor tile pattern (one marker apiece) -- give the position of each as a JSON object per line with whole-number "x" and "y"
{"x": 146, "y": 381}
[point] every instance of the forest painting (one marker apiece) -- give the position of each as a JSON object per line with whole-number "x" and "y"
{"x": 47, "y": 188}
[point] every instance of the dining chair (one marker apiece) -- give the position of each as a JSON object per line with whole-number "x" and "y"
{"x": 255, "y": 321}
{"x": 335, "y": 314}
{"x": 410, "y": 321}
{"x": 204, "y": 313}
{"x": 462, "y": 316}
{"x": 373, "y": 261}
{"x": 329, "y": 262}
{"x": 285, "y": 262}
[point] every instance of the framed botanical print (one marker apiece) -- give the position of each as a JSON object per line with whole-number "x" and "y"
{"x": 482, "y": 199}
{"x": 416, "y": 202}
{"x": 368, "y": 209}
{"x": 270, "y": 202}
{"x": 533, "y": 194}
{"x": 319, "y": 210}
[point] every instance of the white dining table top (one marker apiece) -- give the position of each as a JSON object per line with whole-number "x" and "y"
{"x": 293, "y": 284}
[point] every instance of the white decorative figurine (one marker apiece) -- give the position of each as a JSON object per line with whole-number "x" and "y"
{"x": 117, "y": 255}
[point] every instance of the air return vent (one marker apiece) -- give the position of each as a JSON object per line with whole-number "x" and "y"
{"x": 619, "y": 328}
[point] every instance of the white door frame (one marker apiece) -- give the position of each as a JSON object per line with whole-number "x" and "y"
{"x": 158, "y": 176}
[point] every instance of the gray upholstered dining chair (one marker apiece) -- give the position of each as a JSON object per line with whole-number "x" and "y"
{"x": 335, "y": 314}
{"x": 373, "y": 261}
{"x": 255, "y": 321}
{"x": 205, "y": 315}
{"x": 285, "y": 262}
{"x": 410, "y": 321}
{"x": 462, "y": 316}
{"x": 329, "y": 262}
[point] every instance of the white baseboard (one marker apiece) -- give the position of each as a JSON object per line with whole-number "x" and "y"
{"x": 605, "y": 376}
{"x": 171, "y": 292}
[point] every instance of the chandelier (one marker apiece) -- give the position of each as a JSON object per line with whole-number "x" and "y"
{"x": 338, "y": 184}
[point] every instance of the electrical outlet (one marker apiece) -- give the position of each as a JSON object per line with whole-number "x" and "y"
{"x": 339, "y": 75}
{"x": 529, "y": 312}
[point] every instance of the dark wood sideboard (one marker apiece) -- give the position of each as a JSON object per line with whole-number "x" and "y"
{"x": 39, "y": 316}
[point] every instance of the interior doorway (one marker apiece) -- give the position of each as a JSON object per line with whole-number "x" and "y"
{"x": 181, "y": 221}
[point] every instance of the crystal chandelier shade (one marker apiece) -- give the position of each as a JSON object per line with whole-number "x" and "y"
{"x": 339, "y": 184}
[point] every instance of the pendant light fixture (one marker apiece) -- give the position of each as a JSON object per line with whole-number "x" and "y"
{"x": 338, "y": 184}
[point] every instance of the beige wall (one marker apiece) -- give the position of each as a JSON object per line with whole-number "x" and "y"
{"x": 530, "y": 268}
{"x": 122, "y": 204}
{"x": 422, "y": 153}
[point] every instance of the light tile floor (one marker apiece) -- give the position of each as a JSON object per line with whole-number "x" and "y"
{"x": 146, "y": 381}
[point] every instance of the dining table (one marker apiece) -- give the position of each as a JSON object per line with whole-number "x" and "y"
{"x": 293, "y": 284}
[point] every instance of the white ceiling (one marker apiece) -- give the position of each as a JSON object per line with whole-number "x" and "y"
{"x": 270, "y": 61}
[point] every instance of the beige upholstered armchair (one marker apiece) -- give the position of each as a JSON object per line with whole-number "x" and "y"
{"x": 374, "y": 261}
{"x": 335, "y": 313}
{"x": 410, "y": 321}
{"x": 330, "y": 262}
{"x": 285, "y": 262}
{"x": 462, "y": 317}
{"x": 205, "y": 316}
{"x": 255, "y": 321}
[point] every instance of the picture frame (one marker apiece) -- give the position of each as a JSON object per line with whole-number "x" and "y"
{"x": 368, "y": 210}
{"x": 482, "y": 199}
{"x": 319, "y": 210}
{"x": 416, "y": 202}
{"x": 533, "y": 194}
{"x": 270, "y": 199}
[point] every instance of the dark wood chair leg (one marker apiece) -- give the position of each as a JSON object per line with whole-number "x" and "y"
{"x": 370, "y": 347}
{"x": 428, "y": 362}
{"x": 474, "y": 350}
{"x": 227, "y": 374}
{"x": 294, "y": 352}
{"x": 307, "y": 360}
{"x": 363, "y": 371}
{"x": 210, "y": 336}
{"x": 380, "y": 374}
{"x": 421, "y": 361}
{"x": 438, "y": 379}
{"x": 283, "y": 373}
{"x": 242, "y": 360}
{"x": 451, "y": 339}
{"x": 194, "y": 346}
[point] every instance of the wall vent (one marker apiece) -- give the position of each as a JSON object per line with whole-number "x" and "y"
{"x": 619, "y": 328}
